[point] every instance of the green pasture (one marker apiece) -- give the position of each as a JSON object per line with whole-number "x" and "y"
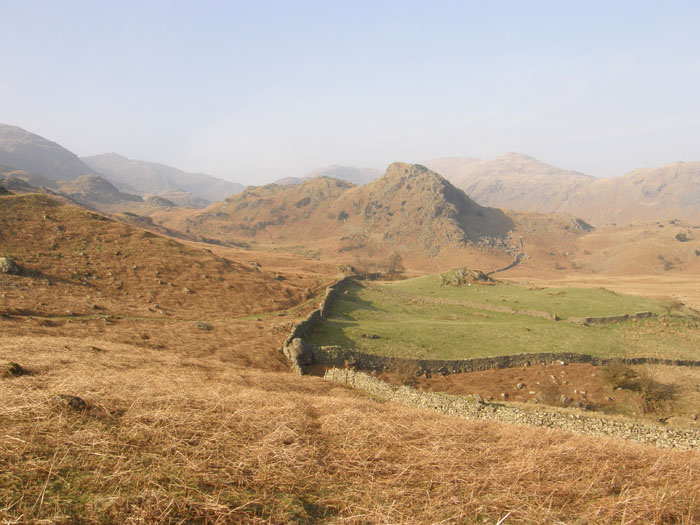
{"x": 564, "y": 302}
{"x": 408, "y": 326}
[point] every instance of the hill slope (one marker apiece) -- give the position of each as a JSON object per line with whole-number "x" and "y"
{"x": 668, "y": 192}
{"x": 357, "y": 176}
{"x": 98, "y": 265}
{"x": 153, "y": 178}
{"x": 512, "y": 181}
{"x": 409, "y": 208}
{"x": 26, "y": 151}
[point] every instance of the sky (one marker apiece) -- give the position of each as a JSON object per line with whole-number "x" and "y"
{"x": 255, "y": 91}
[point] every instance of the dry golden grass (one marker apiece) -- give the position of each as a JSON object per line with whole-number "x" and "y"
{"x": 172, "y": 436}
{"x": 190, "y": 425}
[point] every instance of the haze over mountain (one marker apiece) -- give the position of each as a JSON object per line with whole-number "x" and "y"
{"x": 513, "y": 181}
{"x": 668, "y": 192}
{"x": 519, "y": 182}
{"x": 153, "y": 178}
{"x": 36, "y": 155}
{"x": 357, "y": 176}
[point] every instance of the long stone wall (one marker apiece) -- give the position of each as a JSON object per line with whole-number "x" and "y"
{"x": 297, "y": 353}
{"x": 340, "y": 357}
{"x": 474, "y": 408}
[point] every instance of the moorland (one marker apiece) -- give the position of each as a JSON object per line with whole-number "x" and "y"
{"x": 143, "y": 376}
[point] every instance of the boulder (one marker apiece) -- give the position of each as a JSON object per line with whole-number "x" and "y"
{"x": 9, "y": 266}
{"x": 299, "y": 351}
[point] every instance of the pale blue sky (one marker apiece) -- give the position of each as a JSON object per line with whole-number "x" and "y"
{"x": 255, "y": 91}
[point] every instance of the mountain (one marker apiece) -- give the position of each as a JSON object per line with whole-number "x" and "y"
{"x": 512, "y": 181}
{"x": 409, "y": 208}
{"x": 357, "y": 176}
{"x": 93, "y": 190}
{"x": 26, "y": 151}
{"x": 183, "y": 199}
{"x": 153, "y": 178}
{"x": 668, "y": 192}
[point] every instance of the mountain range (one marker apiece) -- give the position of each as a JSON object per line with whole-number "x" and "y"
{"x": 512, "y": 181}
{"x": 516, "y": 181}
{"x": 105, "y": 179}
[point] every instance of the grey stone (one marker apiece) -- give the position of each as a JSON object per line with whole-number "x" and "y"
{"x": 9, "y": 266}
{"x": 299, "y": 351}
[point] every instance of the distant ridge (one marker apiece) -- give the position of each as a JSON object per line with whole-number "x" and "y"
{"x": 153, "y": 178}
{"x": 512, "y": 181}
{"x": 357, "y": 176}
{"x": 516, "y": 181}
{"x": 22, "y": 150}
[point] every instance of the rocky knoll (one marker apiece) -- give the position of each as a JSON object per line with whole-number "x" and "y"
{"x": 412, "y": 202}
{"x": 92, "y": 189}
{"x": 410, "y": 206}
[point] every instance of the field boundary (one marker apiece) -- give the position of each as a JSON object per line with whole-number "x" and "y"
{"x": 301, "y": 353}
{"x": 339, "y": 356}
{"x": 472, "y": 407}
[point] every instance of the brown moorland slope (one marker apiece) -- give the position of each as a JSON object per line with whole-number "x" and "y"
{"x": 97, "y": 265}
{"x": 181, "y": 423}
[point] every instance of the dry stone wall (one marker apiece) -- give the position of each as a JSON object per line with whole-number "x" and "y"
{"x": 475, "y": 408}
{"x": 294, "y": 351}
{"x": 340, "y": 357}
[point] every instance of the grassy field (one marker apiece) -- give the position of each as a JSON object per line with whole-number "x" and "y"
{"x": 409, "y": 326}
{"x": 564, "y": 302}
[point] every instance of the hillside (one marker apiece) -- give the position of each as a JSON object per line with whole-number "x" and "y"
{"x": 357, "y": 176}
{"x": 36, "y": 155}
{"x": 668, "y": 192}
{"x": 150, "y": 387}
{"x": 93, "y": 190}
{"x": 100, "y": 266}
{"x": 512, "y": 181}
{"x": 410, "y": 209}
{"x": 518, "y": 182}
{"x": 152, "y": 178}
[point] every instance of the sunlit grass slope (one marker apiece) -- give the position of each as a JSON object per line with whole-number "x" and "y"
{"x": 564, "y": 302}
{"x": 408, "y": 325}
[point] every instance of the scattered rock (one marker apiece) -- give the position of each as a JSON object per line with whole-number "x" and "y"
{"x": 9, "y": 266}
{"x": 504, "y": 395}
{"x": 202, "y": 326}
{"x": 73, "y": 402}
{"x": 520, "y": 386}
{"x": 12, "y": 369}
{"x": 478, "y": 399}
{"x": 564, "y": 399}
{"x": 370, "y": 336}
{"x": 299, "y": 351}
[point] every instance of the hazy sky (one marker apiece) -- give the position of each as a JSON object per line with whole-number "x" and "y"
{"x": 255, "y": 91}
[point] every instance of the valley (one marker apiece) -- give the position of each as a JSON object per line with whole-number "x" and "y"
{"x": 145, "y": 372}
